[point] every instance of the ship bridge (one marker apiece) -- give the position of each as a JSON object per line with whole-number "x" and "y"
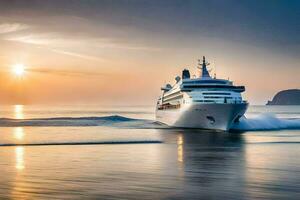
{"x": 206, "y": 82}
{"x": 188, "y": 85}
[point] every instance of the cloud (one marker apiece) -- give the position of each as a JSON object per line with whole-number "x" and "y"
{"x": 79, "y": 46}
{"x": 55, "y": 43}
{"x": 78, "y": 55}
{"x": 60, "y": 39}
{"x": 114, "y": 45}
{"x": 59, "y": 72}
{"x": 12, "y": 27}
{"x": 66, "y": 72}
{"x": 39, "y": 39}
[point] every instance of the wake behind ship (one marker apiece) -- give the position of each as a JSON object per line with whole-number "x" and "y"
{"x": 203, "y": 102}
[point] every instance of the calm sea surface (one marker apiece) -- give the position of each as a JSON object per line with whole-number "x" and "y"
{"x": 96, "y": 152}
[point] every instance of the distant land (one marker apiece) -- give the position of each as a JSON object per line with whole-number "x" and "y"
{"x": 286, "y": 97}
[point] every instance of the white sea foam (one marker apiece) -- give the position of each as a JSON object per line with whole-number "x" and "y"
{"x": 266, "y": 122}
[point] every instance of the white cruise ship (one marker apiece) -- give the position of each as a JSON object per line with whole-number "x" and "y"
{"x": 203, "y": 102}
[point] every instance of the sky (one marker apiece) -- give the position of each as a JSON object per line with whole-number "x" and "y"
{"x": 122, "y": 52}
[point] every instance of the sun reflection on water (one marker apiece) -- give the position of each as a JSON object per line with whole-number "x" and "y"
{"x": 18, "y": 133}
{"x": 19, "y": 151}
{"x": 180, "y": 148}
{"x": 18, "y": 111}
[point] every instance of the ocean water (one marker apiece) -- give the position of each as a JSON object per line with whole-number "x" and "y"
{"x": 98, "y": 152}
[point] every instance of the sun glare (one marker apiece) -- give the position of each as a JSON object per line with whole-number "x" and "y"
{"x": 18, "y": 69}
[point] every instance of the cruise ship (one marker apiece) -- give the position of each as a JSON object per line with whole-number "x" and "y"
{"x": 203, "y": 102}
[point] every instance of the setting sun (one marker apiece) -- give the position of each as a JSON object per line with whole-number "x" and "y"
{"x": 18, "y": 69}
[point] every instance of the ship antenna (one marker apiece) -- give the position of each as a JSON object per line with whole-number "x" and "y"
{"x": 203, "y": 67}
{"x": 215, "y": 74}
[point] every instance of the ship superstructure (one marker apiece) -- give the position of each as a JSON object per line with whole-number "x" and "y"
{"x": 202, "y": 102}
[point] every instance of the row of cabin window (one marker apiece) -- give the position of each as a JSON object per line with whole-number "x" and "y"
{"x": 174, "y": 98}
{"x": 212, "y": 93}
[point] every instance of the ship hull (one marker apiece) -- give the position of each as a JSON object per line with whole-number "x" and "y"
{"x": 203, "y": 116}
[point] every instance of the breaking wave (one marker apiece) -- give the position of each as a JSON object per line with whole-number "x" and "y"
{"x": 261, "y": 122}
{"x": 112, "y": 121}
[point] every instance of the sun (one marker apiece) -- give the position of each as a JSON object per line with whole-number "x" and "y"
{"x": 18, "y": 69}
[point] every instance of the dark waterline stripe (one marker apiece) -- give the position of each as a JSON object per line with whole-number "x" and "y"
{"x": 83, "y": 143}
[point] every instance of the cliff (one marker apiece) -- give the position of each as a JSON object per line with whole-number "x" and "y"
{"x": 286, "y": 97}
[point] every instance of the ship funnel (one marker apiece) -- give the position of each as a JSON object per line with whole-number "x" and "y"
{"x": 186, "y": 74}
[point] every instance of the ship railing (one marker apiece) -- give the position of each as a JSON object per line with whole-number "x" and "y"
{"x": 168, "y": 106}
{"x": 221, "y": 101}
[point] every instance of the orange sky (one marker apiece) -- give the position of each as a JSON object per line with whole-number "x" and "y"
{"x": 71, "y": 58}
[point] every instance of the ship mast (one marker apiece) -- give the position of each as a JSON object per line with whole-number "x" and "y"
{"x": 203, "y": 67}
